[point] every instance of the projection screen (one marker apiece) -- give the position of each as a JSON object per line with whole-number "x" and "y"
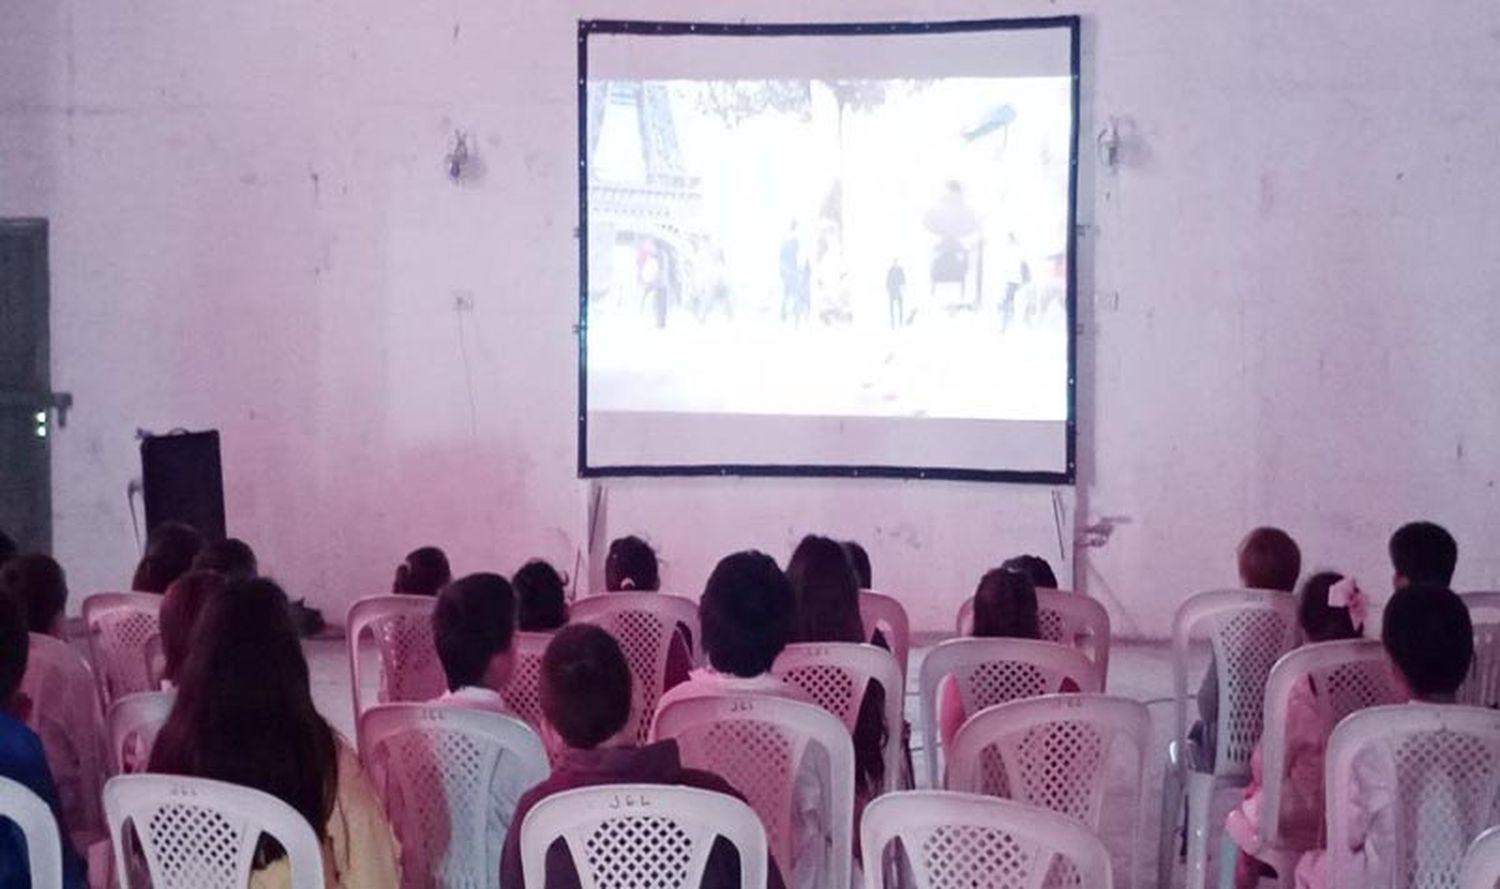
{"x": 828, "y": 249}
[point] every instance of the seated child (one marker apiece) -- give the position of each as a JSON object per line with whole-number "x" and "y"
{"x": 230, "y": 557}
{"x": 1430, "y": 638}
{"x": 586, "y": 699}
{"x": 631, "y": 567}
{"x": 180, "y": 608}
{"x": 1004, "y": 608}
{"x": 1424, "y": 554}
{"x": 1269, "y": 559}
{"x": 424, "y": 571}
{"x": 1331, "y": 607}
{"x": 22, "y": 758}
{"x": 748, "y": 613}
{"x": 473, "y": 625}
{"x": 37, "y": 582}
{"x": 541, "y": 598}
{"x": 1035, "y": 568}
{"x": 170, "y": 550}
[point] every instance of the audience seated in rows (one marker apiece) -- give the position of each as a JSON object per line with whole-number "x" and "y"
{"x": 586, "y": 699}
{"x": 541, "y": 597}
{"x": 244, "y": 713}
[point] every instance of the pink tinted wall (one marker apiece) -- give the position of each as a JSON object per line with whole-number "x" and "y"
{"x": 1288, "y": 312}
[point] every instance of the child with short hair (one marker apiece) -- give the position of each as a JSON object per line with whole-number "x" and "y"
{"x": 473, "y": 626}
{"x": 423, "y": 572}
{"x": 38, "y": 583}
{"x": 1330, "y": 607}
{"x": 1423, "y": 553}
{"x": 1430, "y": 637}
{"x": 171, "y": 548}
{"x": 22, "y": 758}
{"x": 586, "y": 699}
{"x": 541, "y": 597}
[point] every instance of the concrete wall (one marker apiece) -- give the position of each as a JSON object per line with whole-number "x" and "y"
{"x": 1289, "y": 303}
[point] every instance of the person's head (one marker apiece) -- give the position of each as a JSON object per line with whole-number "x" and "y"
{"x": 1005, "y": 606}
{"x": 1430, "y": 637}
{"x": 1035, "y": 568}
{"x": 1423, "y": 554}
{"x": 180, "y": 608}
{"x": 231, "y": 557}
{"x": 8, "y": 549}
{"x": 747, "y": 612}
{"x": 423, "y": 572}
{"x": 826, "y": 592}
{"x": 244, "y": 710}
{"x": 631, "y": 565}
{"x": 541, "y": 600}
{"x": 861, "y": 562}
{"x": 15, "y": 647}
{"x": 171, "y": 548}
{"x": 585, "y": 686}
{"x": 473, "y": 625}
{"x": 1322, "y": 622}
{"x": 38, "y": 584}
{"x": 1269, "y": 560}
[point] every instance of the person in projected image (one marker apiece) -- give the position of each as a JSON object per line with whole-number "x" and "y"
{"x": 895, "y": 290}
{"x": 958, "y": 232}
{"x": 795, "y": 277}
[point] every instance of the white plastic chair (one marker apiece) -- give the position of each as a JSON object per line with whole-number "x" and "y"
{"x": 994, "y": 671}
{"x": 197, "y": 833}
{"x": 1482, "y": 689}
{"x": 436, "y": 767}
{"x": 134, "y": 721}
{"x": 39, "y": 826}
{"x": 645, "y": 624}
{"x": 409, "y": 667}
{"x": 1063, "y": 616}
{"x": 1349, "y": 675}
{"x": 963, "y": 839}
{"x": 1249, "y": 631}
{"x": 523, "y": 693}
{"x": 759, "y": 744}
{"x": 1481, "y": 867}
{"x": 156, "y": 661}
{"x": 642, "y": 836}
{"x": 878, "y": 611}
{"x": 65, "y": 715}
{"x": 118, "y": 626}
{"x": 1445, "y": 760}
{"x": 836, "y": 675}
{"x": 1055, "y": 752}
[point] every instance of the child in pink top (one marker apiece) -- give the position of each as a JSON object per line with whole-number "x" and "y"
{"x": 1330, "y": 607}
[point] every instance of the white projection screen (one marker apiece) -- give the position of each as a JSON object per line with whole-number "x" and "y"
{"x": 828, "y": 249}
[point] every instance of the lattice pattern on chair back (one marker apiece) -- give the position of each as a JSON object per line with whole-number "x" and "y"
{"x": 1482, "y": 689}
{"x": 1446, "y": 764}
{"x": 38, "y": 826}
{"x": 837, "y": 676}
{"x": 995, "y": 671}
{"x": 200, "y": 834}
{"x": 401, "y": 626}
{"x": 1064, "y": 617}
{"x": 436, "y": 767}
{"x": 119, "y": 624}
{"x": 961, "y": 839}
{"x": 759, "y": 745}
{"x": 65, "y": 715}
{"x": 1246, "y": 644}
{"x": 523, "y": 693}
{"x": 646, "y": 638}
{"x": 641, "y": 836}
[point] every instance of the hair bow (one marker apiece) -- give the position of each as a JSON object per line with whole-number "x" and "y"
{"x": 1347, "y": 594}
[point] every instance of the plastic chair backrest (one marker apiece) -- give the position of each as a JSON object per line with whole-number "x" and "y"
{"x": 156, "y": 660}
{"x": 202, "y": 834}
{"x": 1250, "y": 630}
{"x": 409, "y": 667}
{"x": 134, "y": 722}
{"x": 435, "y": 767}
{"x": 65, "y": 715}
{"x": 1481, "y": 867}
{"x": 878, "y": 611}
{"x": 1445, "y": 761}
{"x": 644, "y": 624}
{"x": 1482, "y": 688}
{"x": 119, "y": 624}
{"x": 758, "y": 744}
{"x": 642, "y": 836}
{"x": 1053, "y": 751}
{"x": 836, "y": 675}
{"x": 994, "y": 671}
{"x": 523, "y": 693}
{"x": 964, "y": 839}
{"x": 38, "y": 825}
{"x": 1350, "y": 675}
{"x": 1065, "y": 616}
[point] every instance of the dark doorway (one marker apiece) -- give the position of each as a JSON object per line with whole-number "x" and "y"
{"x": 27, "y": 402}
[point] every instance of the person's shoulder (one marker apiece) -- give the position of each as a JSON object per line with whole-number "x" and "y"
{"x": 705, "y": 780}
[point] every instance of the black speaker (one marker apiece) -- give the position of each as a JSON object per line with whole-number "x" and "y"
{"x": 183, "y": 481}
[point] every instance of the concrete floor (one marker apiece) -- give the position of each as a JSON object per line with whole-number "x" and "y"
{"x": 1142, "y": 671}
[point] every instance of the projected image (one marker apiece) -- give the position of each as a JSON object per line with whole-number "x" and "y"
{"x": 861, "y": 248}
